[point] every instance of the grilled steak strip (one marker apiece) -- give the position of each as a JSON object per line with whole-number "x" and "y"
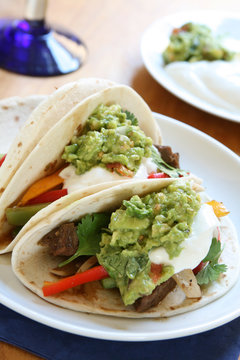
{"x": 169, "y": 156}
{"x": 61, "y": 241}
{"x": 158, "y": 294}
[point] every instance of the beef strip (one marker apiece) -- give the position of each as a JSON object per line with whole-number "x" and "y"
{"x": 169, "y": 156}
{"x": 61, "y": 241}
{"x": 158, "y": 294}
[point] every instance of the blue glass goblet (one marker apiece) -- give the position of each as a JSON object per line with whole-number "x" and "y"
{"x": 31, "y": 47}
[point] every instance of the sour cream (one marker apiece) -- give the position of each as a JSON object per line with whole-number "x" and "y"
{"x": 99, "y": 175}
{"x": 215, "y": 82}
{"x": 195, "y": 247}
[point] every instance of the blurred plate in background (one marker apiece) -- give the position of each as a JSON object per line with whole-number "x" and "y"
{"x": 156, "y": 38}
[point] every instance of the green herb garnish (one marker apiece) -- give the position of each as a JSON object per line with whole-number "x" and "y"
{"x": 89, "y": 235}
{"x": 212, "y": 271}
{"x": 131, "y": 117}
{"x": 164, "y": 167}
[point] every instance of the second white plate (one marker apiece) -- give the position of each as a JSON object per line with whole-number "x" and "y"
{"x": 156, "y": 38}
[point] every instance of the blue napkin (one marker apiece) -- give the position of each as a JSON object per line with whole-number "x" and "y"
{"x": 222, "y": 343}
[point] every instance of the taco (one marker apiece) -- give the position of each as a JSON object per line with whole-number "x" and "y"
{"x": 105, "y": 139}
{"x": 14, "y": 112}
{"x": 152, "y": 249}
{"x": 41, "y": 119}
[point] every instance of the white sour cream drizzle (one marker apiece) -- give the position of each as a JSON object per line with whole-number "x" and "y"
{"x": 99, "y": 175}
{"x": 195, "y": 247}
{"x": 215, "y": 82}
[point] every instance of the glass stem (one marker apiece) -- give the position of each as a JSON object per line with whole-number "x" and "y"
{"x": 35, "y": 10}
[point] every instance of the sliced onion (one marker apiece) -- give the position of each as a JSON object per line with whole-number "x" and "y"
{"x": 66, "y": 270}
{"x": 74, "y": 267}
{"x": 88, "y": 264}
{"x": 187, "y": 281}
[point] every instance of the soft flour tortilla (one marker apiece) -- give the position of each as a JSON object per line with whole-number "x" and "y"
{"x": 14, "y": 112}
{"x": 49, "y": 149}
{"x": 41, "y": 120}
{"x": 31, "y": 262}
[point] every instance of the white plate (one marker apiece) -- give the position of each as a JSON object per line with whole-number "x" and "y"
{"x": 220, "y": 169}
{"x": 156, "y": 38}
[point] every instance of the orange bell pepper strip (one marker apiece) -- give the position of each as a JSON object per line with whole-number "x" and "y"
{"x": 41, "y": 186}
{"x": 93, "y": 274}
{"x": 218, "y": 208}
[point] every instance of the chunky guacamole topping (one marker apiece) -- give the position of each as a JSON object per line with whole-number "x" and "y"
{"x": 110, "y": 136}
{"x": 159, "y": 219}
{"x": 193, "y": 42}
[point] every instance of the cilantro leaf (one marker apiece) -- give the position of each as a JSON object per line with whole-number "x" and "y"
{"x": 214, "y": 252}
{"x": 164, "y": 167}
{"x": 131, "y": 117}
{"x": 212, "y": 271}
{"x": 89, "y": 235}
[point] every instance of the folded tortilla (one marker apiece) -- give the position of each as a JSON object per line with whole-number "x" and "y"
{"x": 41, "y": 119}
{"x": 44, "y": 155}
{"x": 14, "y": 112}
{"x": 29, "y": 255}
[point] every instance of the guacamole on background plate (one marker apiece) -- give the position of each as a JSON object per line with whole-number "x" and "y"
{"x": 194, "y": 42}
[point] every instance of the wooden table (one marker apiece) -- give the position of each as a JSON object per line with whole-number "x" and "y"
{"x": 112, "y": 31}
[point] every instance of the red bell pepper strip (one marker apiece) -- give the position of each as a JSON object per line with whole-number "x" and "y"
{"x": 2, "y": 159}
{"x": 159, "y": 175}
{"x": 48, "y": 197}
{"x": 93, "y": 274}
{"x": 199, "y": 267}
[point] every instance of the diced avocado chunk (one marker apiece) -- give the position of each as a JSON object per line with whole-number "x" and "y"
{"x": 108, "y": 283}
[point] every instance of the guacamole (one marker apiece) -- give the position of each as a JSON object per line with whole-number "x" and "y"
{"x": 111, "y": 138}
{"x": 194, "y": 42}
{"x": 141, "y": 224}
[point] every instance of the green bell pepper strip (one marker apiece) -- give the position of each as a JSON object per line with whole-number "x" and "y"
{"x": 19, "y": 216}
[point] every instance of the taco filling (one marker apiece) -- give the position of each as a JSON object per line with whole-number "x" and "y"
{"x": 144, "y": 249}
{"x": 111, "y": 146}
